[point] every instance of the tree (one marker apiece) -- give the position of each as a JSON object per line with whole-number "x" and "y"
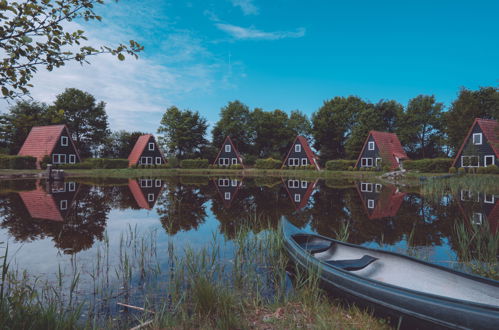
{"x": 383, "y": 116}
{"x": 86, "y": 120}
{"x": 332, "y": 125}
{"x": 482, "y": 103}
{"x": 420, "y": 129}
{"x": 17, "y": 123}
{"x": 300, "y": 124}
{"x": 235, "y": 121}
{"x": 183, "y": 131}
{"x": 272, "y": 133}
{"x": 119, "y": 144}
{"x": 34, "y": 34}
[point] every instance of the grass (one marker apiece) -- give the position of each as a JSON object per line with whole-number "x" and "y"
{"x": 453, "y": 185}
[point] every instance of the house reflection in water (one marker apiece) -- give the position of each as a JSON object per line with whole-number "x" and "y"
{"x": 380, "y": 201}
{"x": 52, "y": 203}
{"x": 145, "y": 191}
{"x": 478, "y": 208}
{"x": 227, "y": 189}
{"x": 299, "y": 191}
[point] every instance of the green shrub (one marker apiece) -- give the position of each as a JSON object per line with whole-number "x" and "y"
{"x": 194, "y": 163}
{"x": 96, "y": 163}
{"x": 452, "y": 170}
{"x": 427, "y": 165}
{"x": 173, "y": 162}
{"x": 236, "y": 167}
{"x": 45, "y": 161}
{"x": 269, "y": 163}
{"x": 250, "y": 160}
{"x": 17, "y": 162}
{"x": 481, "y": 170}
{"x": 461, "y": 170}
{"x": 339, "y": 164}
{"x": 492, "y": 169}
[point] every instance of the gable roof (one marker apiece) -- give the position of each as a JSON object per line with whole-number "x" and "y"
{"x": 138, "y": 194}
{"x": 139, "y": 147}
{"x": 388, "y": 204}
{"x": 312, "y": 157}
{"x": 389, "y": 147}
{"x": 42, "y": 140}
{"x": 238, "y": 155}
{"x": 490, "y": 129}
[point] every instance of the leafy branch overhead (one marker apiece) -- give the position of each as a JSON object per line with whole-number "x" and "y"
{"x": 33, "y": 34}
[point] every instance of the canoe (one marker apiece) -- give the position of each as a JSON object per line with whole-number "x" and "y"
{"x": 397, "y": 283}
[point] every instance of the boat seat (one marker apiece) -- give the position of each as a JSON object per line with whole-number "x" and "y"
{"x": 352, "y": 264}
{"x": 317, "y": 248}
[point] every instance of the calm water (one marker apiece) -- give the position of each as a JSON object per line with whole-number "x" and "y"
{"x": 67, "y": 225}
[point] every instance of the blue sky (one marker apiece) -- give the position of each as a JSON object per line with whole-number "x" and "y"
{"x": 282, "y": 54}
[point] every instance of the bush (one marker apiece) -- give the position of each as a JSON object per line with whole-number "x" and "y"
{"x": 236, "y": 167}
{"x": 339, "y": 164}
{"x": 461, "y": 170}
{"x": 173, "y": 162}
{"x": 452, "y": 170}
{"x": 194, "y": 163}
{"x": 269, "y": 163}
{"x": 96, "y": 163}
{"x": 17, "y": 162}
{"x": 250, "y": 160}
{"x": 434, "y": 165}
{"x": 492, "y": 169}
{"x": 45, "y": 161}
{"x": 481, "y": 170}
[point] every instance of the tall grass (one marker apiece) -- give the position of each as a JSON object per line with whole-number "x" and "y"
{"x": 485, "y": 183}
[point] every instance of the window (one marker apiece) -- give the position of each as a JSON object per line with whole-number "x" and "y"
{"x": 465, "y": 195}
{"x": 151, "y": 146}
{"x": 71, "y": 186}
{"x": 304, "y": 184}
{"x": 233, "y": 183}
{"x": 64, "y": 141}
{"x": 293, "y": 161}
{"x": 223, "y": 182}
{"x": 227, "y": 196}
{"x": 370, "y": 203}
{"x": 228, "y": 148}
{"x": 58, "y": 159}
{"x": 489, "y": 199}
{"x": 234, "y": 161}
{"x": 146, "y": 183}
{"x": 477, "y": 138}
{"x": 158, "y": 160}
{"x": 470, "y": 161}
{"x": 297, "y": 198}
{"x": 72, "y": 159}
{"x": 378, "y": 187}
{"x": 146, "y": 160}
{"x": 477, "y": 219}
{"x": 297, "y": 147}
{"x": 379, "y": 162}
{"x": 223, "y": 161}
{"x": 304, "y": 161}
{"x": 158, "y": 183}
{"x": 366, "y": 162}
{"x": 150, "y": 197}
{"x": 293, "y": 184}
{"x": 366, "y": 187}
{"x": 370, "y": 145}
{"x": 63, "y": 205}
{"x": 489, "y": 160}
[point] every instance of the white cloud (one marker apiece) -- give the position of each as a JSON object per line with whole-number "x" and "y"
{"x": 247, "y": 6}
{"x": 239, "y": 32}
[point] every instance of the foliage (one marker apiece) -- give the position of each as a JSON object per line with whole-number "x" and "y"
{"x": 91, "y": 163}
{"x": 482, "y": 103}
{"x": 17, "y": 162}
{"x": 119, "y": 144}
{"x": 194, "y": 163}
{"x": 452, "y": 170}
{"x": 183, "y": 131}
{"x": 235, "y": 121}
{"x": 339, "y": 164}
{"x": 45, "y": 161}
{"x": 434, "y": 165}
{"x": 461, "y": 170}
{"x": 268, "y": 163}
{"x": 87, "y": 120}
{"x": 35, "y": 34}
{"x": 236, "y": 167}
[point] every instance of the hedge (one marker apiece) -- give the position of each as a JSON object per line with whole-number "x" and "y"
{"x": 339, "y": 164}
{"x": 17, "y": 162}
{"x": 94, "y": 163}
{"x": 194, "y": 163}
{"x": 267, "y": 164}
{"x": 429, "y": 165}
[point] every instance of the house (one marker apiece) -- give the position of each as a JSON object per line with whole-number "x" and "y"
{"x": 227, "y": 189}
{"x": 381, "y": 149}
{"x": 481, "y": 145}
{"x": 299, "y": 191}
{"x": 146, "y": 152}
{"x": 479, "y": 207}
{"x": 380, "y": 201}
{"x": 52, "y": 203}
{"x": 54, "y": 141}
{"x": 300, "y": 154}
{"x": 228, "y": 154}
{"x": 145, "y": 191}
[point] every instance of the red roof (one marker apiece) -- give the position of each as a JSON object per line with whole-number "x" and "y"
{"x": 139, "y": 147}
{"x": 41, "y": 141}
{"x": 41, "y": 205}
{"x": 389, "y": 147}
{"x": 388, "y": 204}
{"x": 490, "y": 129}
{"x": 233, "y": 148}
{"x": 312, "y": 157}
{"x": 138, "y": 194}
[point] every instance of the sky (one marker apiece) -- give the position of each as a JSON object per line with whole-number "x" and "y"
{"x": 281, "y": 54}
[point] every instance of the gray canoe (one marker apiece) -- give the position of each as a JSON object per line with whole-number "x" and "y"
{"x": 393, "y": 281}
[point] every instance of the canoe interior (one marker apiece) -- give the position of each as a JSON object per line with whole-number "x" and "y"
{"x": 402, "y": 272}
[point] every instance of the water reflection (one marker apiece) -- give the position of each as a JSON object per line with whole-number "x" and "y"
{"x": 479, "y": 208}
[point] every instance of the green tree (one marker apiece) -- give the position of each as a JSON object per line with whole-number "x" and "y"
{"x": 272, "y": 133}
{"x": 420, "y": 129}
{"x": 21, "y": 117}
{"x": 34, "y": 34}
{"x": 119, "y": 144}
{"x": 85, "y": 118}
{"x": 183, "y": 132}
{"x": 300, "y": 124}
{"x": 235, "y": 121}
{"x": 383, "y": 116}
{"x": 482, "y": 103}
{"x": 332, "y": 125}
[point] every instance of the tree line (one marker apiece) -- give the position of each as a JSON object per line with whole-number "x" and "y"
{"x": 337, "y": 130}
